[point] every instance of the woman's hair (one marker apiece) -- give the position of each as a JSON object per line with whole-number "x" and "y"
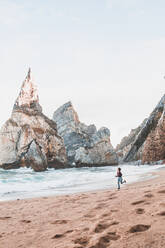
{"x": 119, "y": 169}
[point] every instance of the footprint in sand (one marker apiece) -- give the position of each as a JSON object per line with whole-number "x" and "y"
{"x": 69, "y": 231}
{"x": 114, "y": 223}
{"x": 5, "y": 218}
{"x": 26, "y": 221}
{"x": 100, "y": 206}
{"x": 114, "y": 210}
{"x": 138, "y": 202}
{"x": 162, "y": 213}
{"x": 139, "y": 228}
{"x": 86, "y": 229}
{"x": 89, "y": 215}
{"x": 161, "y": 191}
{"x": 59, "y": 222}
{"x": 105, "y": 240}
{"x": 111, "y": 198}
{"x": 113, "y": 194}
{"x": 112, "y": 236}
{"x": 57, "y": 236}
{"x": 139, "y": 211}
{"x": 81, "y": 241}
{"x": 101, "y": 227}
{"x": 149, "y": 195}
{"x": 106, "y": 215}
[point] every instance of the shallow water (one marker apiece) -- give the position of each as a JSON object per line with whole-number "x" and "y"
{"x": 25, "y": 183}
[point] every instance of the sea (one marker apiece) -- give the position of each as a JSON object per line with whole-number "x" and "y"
{"x": 25, "y": 183}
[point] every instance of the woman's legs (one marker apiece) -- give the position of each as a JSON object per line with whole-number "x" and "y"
{"x": 123, "y": 181}
{"x": 119, "y": 181}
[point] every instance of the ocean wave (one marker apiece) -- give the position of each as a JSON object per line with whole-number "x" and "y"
{"x": 25, "y": 183}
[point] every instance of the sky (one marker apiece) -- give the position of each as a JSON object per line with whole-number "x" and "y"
{"x": 106, "y": 56}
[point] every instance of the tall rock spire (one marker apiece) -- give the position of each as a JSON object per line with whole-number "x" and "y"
{"x": 29, "y": 138}
{"x": 28, "y": 96}
{"x": 29, "y": 73}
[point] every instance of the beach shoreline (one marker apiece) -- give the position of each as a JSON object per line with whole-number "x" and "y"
{"x": 25, "y": 184}
{"x": 131, "y": 217}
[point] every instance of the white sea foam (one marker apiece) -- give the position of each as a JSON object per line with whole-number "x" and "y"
{"x": 25, "y": 183}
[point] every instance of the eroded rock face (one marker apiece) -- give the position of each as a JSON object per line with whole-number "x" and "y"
{"x": 126, "y": 143}
{"x": 154, "y": 146}
{"x": 29, "y": 138}
{"x": 148, "y": 144}
{"x": 28, "y": 94}
{"x": 84, "y": 144}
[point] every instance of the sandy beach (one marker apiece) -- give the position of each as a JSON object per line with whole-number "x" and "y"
{"x": 133, "y": 217}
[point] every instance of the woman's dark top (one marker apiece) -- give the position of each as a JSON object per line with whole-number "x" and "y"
{"x": 119, "y": 174}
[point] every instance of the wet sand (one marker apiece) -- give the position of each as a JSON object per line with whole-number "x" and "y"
{"x": 133, "y": 217}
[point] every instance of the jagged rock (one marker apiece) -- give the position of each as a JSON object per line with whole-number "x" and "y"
{"x": 149, "y": 143}
{"x": 34, "y": 157}
{"x": 29, "y": 138}
{"x": 154, "y": 146}
{"x": 84, "y": 144}
{"x": 28, "y": 96}
{"x": 126, "y": 143}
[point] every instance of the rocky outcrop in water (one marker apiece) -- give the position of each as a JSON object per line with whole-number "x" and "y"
{"x": 149, "y": 143}
{"x": 85, "y": 145}
{"x": 29, "y": 138}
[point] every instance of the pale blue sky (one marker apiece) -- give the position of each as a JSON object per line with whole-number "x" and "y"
{"x": 106, "y": 56}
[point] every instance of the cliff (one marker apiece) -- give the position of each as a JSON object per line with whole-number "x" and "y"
{"x": 154, "y": 146}
{"x": 85, "y": 145}
{"x": 148, "y": 143}
{"x": 29, "y": 138}
{"x": 126, "y": 143}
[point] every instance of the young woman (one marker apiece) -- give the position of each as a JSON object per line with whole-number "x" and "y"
{"x": 119, "y": 178}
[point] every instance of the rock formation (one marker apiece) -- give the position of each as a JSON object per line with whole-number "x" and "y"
{"x": 154, "y": 146}
{"x": 149, "y": 142}
{"x": 29, "y": 138}
{"x": 85, "y": 145}
{"x": 126, "y": 143}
